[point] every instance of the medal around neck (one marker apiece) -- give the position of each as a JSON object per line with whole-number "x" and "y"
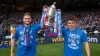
{"x": 26, "y": 36}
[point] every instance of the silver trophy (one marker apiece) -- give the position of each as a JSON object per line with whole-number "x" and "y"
{"x": 51, "y": 12}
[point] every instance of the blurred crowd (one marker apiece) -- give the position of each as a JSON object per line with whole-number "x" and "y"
{"x": 88, "y": 20}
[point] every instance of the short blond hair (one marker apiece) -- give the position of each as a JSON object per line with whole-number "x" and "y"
{"x": 27, "y": 14}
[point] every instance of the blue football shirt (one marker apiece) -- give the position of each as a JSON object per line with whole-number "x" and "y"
{"x": 73, "y": 41}
{"x": 22, "y": 50}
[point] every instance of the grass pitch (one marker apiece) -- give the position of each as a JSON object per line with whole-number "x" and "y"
{"x": 54, "y": 49}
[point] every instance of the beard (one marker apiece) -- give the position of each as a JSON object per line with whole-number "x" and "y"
{"x": 29, "y": 23}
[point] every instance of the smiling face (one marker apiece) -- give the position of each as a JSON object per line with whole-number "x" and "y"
{"x": 71, "y": 23}
{"x": 27, "y": 19}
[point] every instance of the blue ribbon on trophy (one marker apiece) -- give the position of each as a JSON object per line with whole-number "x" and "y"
{"x": 51, "y": 17}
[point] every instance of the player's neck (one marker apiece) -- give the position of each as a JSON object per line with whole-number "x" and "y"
{"x": 26, "y": 25}
{"x": 72, "y": 29}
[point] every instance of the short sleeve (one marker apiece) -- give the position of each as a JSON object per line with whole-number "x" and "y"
{"x": 15, "y": 36}
{"x": 84, "y": 37}
{"x": 38, "y": 27}
{"x": 63, "y": 31}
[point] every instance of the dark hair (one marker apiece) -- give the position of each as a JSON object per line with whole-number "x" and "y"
{"x": 72, "y": 18}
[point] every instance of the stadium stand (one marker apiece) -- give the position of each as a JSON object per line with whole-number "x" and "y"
{"x": 88, "y": 20}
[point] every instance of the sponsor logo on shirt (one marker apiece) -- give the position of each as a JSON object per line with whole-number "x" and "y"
{"x": 73, "y": 41}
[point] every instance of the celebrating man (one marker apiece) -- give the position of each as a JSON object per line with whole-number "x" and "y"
{"x": 73, "y": 39}
{"x": 26, "y": 36}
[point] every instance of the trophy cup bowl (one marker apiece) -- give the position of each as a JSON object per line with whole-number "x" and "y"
{"x": 51, "y": 12}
